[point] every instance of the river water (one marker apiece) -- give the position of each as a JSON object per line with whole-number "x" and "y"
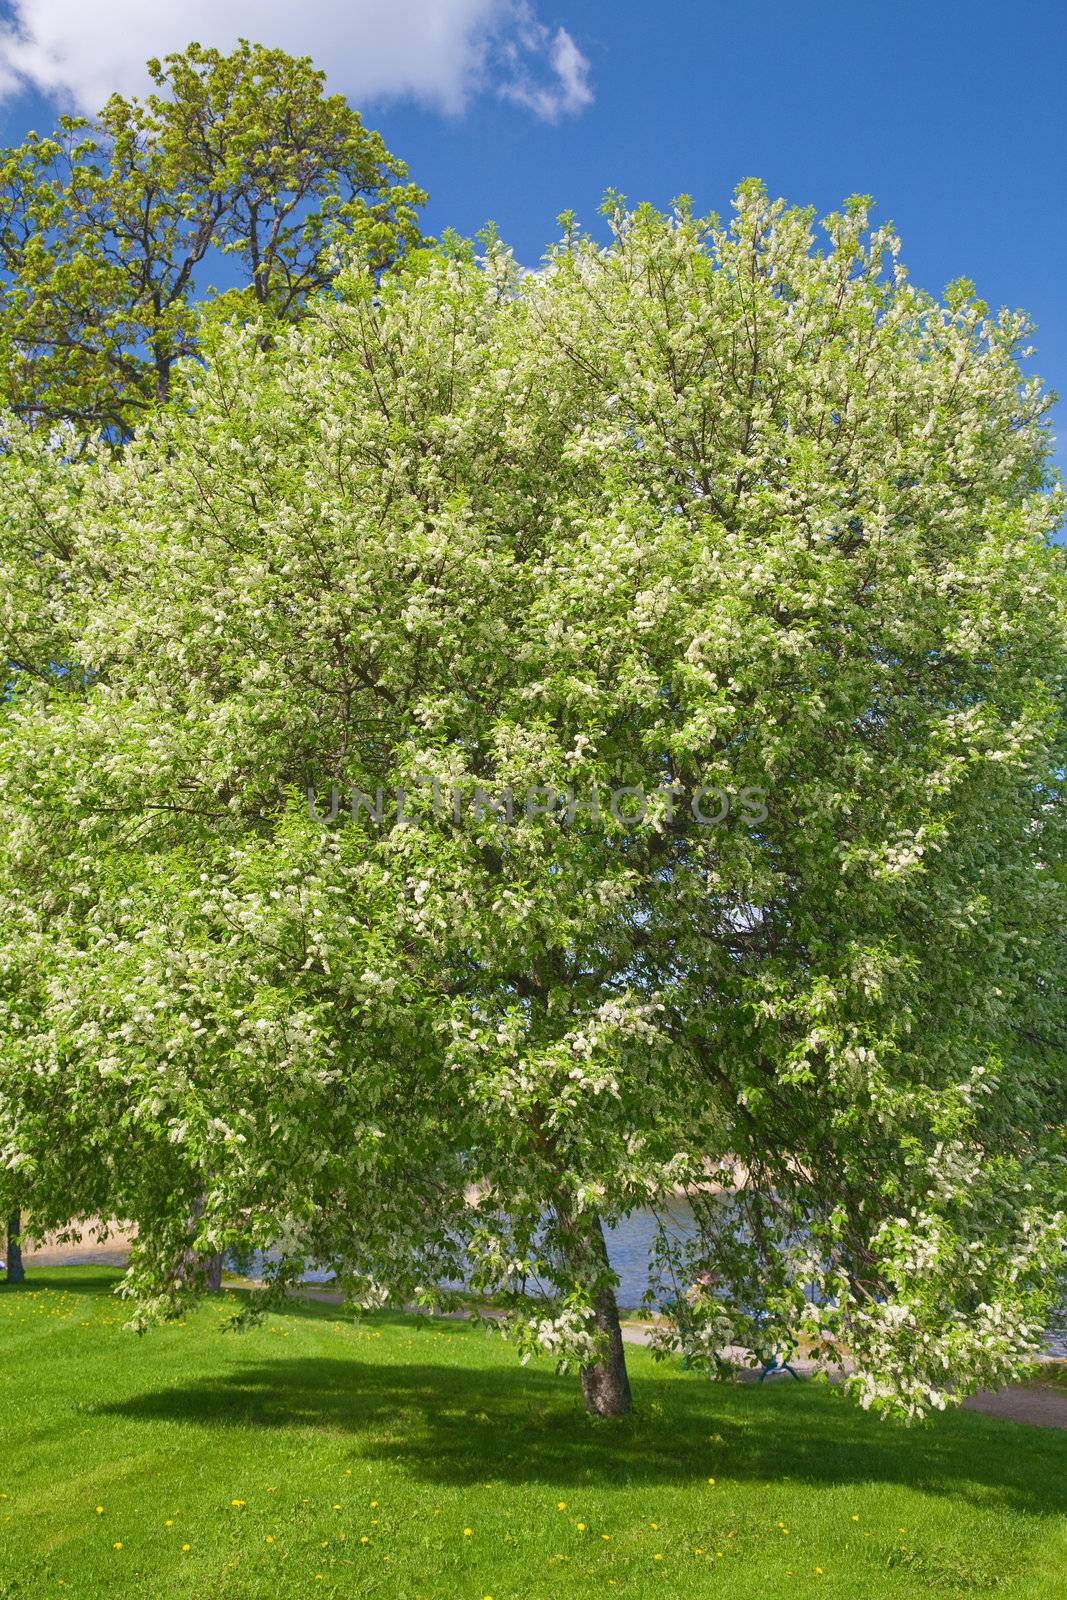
{"x": 629, "y": 1243}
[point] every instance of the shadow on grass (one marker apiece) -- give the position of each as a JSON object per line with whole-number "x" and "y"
{"x": 83, "y": 1279}
{"x": 450, "y": 1422}
{"x": 455, "y": 1425}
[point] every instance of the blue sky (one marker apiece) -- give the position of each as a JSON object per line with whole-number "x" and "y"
{"x": 952, "y": 117}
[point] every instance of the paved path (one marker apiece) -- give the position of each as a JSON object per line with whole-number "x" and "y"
{"x": 1036, "y": 1403}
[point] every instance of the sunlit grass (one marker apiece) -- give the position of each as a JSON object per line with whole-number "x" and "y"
{"x": 314, "y": 1457}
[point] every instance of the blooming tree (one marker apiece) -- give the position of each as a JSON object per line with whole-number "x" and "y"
{"x": 672, "y": 645}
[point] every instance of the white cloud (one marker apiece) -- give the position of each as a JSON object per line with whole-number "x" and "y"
{"x": 567, "y": 90}
{"x": 439, "y": 52}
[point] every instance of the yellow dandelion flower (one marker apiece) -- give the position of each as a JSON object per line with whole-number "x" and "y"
{"x": 580, "y": 1526}
{"x": 237, "y": 1502}
{"x": 337, "y": 1508}
{"x": 269, "y": 1539}
{"x": 711, "y": 1480}
{"x": 562, "y": 1505}
{"x": 467, "y": 1532}
{"x": 324, "y": 1544}
{"x": 117, "y": 1545}
{"x": 364, "y": 1539}
{"x": 819, "y": 1571}
{"x": 657, "y": 1558}
{"x": 654, "y": 1526}
{"x": 855, "y": 1518}
{"x": 99, "y": 1509}
{"x": 606, "y": 1537}
{"x": 187, "y": 1547}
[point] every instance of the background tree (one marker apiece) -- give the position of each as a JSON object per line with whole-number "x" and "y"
{"x": 714, "y": 507}
{"x": 239, "y": 168}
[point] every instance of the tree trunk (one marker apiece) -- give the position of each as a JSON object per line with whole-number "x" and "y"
{"x": 163, "y": 360}
{"x": 605, "y": 1383}
{"x": 207, "y": 1268}
{"x": 16, "y": 1272}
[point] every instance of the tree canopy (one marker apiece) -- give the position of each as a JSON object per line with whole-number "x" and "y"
{"x": 716, "y": 507}
{"x": 240, "y": 167}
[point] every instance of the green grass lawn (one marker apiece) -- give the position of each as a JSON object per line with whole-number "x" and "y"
{"x": 314, "y": 1457}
